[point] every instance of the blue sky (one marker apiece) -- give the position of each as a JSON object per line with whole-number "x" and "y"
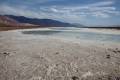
{"x": 87, "y": 12}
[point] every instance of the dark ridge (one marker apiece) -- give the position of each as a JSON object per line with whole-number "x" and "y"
{"x": 41, "y": 22}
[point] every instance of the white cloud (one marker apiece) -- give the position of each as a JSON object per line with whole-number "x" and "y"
{"x": 103, "y": 9}
{"x": 54, "y": 10}
{"x": 100, "y": 14}
{"x": 104, "y": 3}
{"x": 100, "y": 9}
{"x": 9, "y": 10}
{"x": 35, "y": 1}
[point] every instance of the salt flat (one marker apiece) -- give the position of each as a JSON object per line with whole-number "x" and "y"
{"x": 28, "y": 57}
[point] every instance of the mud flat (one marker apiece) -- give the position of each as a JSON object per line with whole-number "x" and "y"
{"x": 26, "y": 57}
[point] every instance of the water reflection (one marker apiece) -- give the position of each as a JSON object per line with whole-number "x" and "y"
{"x": 79, "y": 35}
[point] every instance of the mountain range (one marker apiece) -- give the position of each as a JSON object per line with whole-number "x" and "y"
{"x": 18, "y": 22}
{"x": 11, "y": 20}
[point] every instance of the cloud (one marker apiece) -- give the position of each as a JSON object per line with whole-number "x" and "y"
{"x": 37, "y": 1}
{"x": 104, "y": 3}
{"x": 21, "y": 11}
{"x": 99, "y": 9}
{"x": 54, "y": 10}
{"x": 104, "y": 9}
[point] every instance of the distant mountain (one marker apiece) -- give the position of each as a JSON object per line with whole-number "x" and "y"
{"x": 40, "y": 22}
{"x": 4, "y": 20}
{"x": 7, "y": 21}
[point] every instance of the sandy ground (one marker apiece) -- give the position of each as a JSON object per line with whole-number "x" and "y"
{"x": 26, "y": 57}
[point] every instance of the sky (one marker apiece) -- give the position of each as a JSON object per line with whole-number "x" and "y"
{"x": 86, "y": 12}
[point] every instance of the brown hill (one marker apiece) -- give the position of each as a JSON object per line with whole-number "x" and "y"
{"x": 7, "y": 21}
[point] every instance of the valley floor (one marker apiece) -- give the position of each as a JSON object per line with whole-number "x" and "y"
{"x": 16, "y": 28}
{"x": 23, "y": 57}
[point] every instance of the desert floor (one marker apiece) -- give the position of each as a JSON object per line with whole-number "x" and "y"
{"x": 27, "y": 57}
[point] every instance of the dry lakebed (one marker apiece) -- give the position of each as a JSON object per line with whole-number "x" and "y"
{"x": 30, "y": 57}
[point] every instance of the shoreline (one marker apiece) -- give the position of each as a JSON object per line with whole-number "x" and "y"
{"x": 19, "y": 28}
{"x": 12, "y": 28}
